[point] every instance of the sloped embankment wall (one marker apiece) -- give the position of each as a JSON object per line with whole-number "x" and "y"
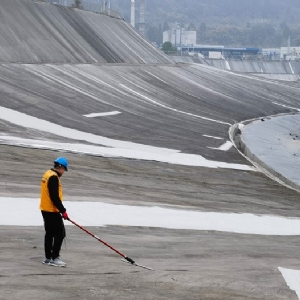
{"x": 36, "y": 32}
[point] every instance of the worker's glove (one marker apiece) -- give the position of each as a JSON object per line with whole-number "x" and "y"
{"x": 65, "y": 215}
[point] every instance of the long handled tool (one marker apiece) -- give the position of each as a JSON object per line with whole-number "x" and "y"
{"x": 126, "y": 259}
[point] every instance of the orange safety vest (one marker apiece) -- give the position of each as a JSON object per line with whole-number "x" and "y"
{"x": 46, "y": 204}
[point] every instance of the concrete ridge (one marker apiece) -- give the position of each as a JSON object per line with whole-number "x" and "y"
{"x": 256, "y": 67}
{"x": 252, "y": 154}
{"x": 48, "y": 33}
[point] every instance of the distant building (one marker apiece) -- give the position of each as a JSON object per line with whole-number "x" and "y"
{"x": 179, "y": 36}
{"x": 222, "y": 52}
{"x": 271, "y": 53}
{"x": 290, "y": 53}
{"x": 283, "y": 53}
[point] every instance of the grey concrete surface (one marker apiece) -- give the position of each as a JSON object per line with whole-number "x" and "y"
{"x": 280, "y": 77}
{"x": 188, "y": 265}
{"x": 134, "y": 182}
{"x": 272, "y": 68}
{"x": 268, "y": 139}
{"x": 173, "y": 106}
{"x": 37, "y": 32}
{"x": 207, "y": 101}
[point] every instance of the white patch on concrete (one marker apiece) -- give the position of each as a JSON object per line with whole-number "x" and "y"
{"x": 113, "y": 148}
{"x": 170, "y": 108}
{"x": 213, "y": 137}
{"x": 225, "y": 147}
{"x": 227, "y": 65}
{"x": 241, "y": 127}
{"x": 102, "y": 214}
{"x": 291, "y": 68}
{"x": 292, "y": 278}
{"x": 167, "y": 157}
{"x": 95, "y": 115}
{"x": 287, "y": 106}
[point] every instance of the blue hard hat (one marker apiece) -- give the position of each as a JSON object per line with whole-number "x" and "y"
{"x": 62, "y": 162}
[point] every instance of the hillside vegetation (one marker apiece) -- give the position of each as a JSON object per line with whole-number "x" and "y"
{"x": 261, "y": 23}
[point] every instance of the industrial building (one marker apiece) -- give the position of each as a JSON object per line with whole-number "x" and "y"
{"x": 221, "y": 52}
{"x": 290, "y": 53}
{"x": 212, "y": 51}
{"x": 271, "y": 53}
{"x": 179, "y": 36}
{"x": 283, "y": 53}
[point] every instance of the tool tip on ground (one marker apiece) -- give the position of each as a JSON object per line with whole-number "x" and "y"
{"x": 137, "y": 265}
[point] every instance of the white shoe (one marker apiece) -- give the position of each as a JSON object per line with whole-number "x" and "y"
{"x": 47, "y": 261}
{"x": 57, "y": 262}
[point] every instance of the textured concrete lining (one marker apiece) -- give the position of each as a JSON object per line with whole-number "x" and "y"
{"x": 169, "y": 106}
{"x": 188, "y": 107}
{"x": 273, "y": 143}
{"x": 36, "y": 32}
{"x": 195, "y": 100}
{"x": 280, "y": 77}
{"x": 279, "y": 68}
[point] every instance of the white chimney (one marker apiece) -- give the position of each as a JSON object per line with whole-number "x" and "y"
{"x": 132, "y": 22}
{"x": 142, "y": 17}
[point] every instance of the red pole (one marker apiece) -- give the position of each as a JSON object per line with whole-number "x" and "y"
{"x": 103, "y": 242}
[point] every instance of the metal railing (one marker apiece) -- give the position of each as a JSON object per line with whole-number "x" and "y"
{"x": 97, "y": 6}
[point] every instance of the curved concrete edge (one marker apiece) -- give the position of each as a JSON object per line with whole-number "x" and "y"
{"x": 236, "y": 137}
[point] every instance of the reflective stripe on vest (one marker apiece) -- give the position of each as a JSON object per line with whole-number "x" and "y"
{"x": 46, "y": 204}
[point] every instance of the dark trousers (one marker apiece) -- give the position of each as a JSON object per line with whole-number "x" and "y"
{"x": 55, "y": 233}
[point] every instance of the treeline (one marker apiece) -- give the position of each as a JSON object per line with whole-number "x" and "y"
{"x": 258, "y": 35}
{"x": 261, "y": 23}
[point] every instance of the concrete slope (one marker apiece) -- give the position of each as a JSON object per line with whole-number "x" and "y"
{"x": 36, "y": 32}
{"x": 186, "y": 107}
{"x": 174, "y": 107}
{"x": 246, "y": 66}
{"x": 164, "y": 105}
{"x": 266, "y": 67}
{"x": 281, "y": 77}
{"x": 278, "y": 137}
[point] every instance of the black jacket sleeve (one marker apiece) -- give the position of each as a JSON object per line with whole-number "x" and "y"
{"x": 54, "y": 194}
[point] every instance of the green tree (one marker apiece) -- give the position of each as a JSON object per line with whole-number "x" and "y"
{"x": 77, "y": 3}
{"x": 297, "y": 41}
{"x": 168, "y": 48}
{"x": 166, "y": 26}
{"x": 295, "y": 37}
{"x": 155, "y": 34}
{"x": 263, "y": 35}
{"x": 192, "y": 27}
{"x": 203, "y": 27}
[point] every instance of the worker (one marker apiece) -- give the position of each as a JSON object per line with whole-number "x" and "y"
{"x": 53, "y": 212}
